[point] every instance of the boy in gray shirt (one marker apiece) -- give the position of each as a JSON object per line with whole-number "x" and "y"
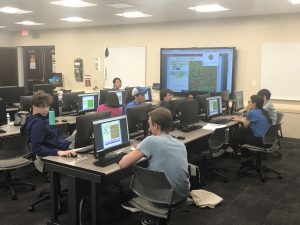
{"x": 268, "y": 106}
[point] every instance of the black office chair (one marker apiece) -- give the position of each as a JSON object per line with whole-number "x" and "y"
{"x": 279, "y": 122}
{"x": 14, "y": 154}
{"x": 154, "y": 194}
{"x": 270, "y": 141}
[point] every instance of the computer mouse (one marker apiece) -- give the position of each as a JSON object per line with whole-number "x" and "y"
{"x": 133, "y": 148}
{"x": 180, "y": 137}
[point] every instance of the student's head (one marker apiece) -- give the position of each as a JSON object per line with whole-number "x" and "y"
{"x": 256, "y": 101}
{"x": 139, "y": 94}
{"x": 117, "y": 83}
{"x": 265, "y": 93}
{"x": 166, "y": 95}
{"x": 160, "y": 120}
{"x": 41, "y": 102}
{"x": 190, "y": 96}
{"x": 112, "y": 100}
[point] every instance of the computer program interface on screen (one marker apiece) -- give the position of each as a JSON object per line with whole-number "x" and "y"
{"x": 88, "y": 102}
{"x": 111, "y": 134}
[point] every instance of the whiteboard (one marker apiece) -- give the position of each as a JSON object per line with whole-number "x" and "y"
{"x": 280, "y": 70}
{"x": 129, "y": 64}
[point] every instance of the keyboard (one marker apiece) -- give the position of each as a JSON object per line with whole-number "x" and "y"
{"x": 108, "y": 160}
{"x": 191, "y": 128}
{"x": 84, "y": 149}
{"x": 2, "y": 131}
{"x": 222, "y": 121}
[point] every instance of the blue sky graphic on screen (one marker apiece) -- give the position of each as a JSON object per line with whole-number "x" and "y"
{"x": 197, "y": 69}
{"x": 56, "y": 79}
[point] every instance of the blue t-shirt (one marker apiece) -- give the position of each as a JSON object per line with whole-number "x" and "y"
{"x": 258, "y": 122}
{"x": 131, "y": 105}
{"x": 166, "y": 154}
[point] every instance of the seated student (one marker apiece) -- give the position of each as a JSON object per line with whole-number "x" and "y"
{"x": 117, "y": 83}
{"x": 268, "y": 106}
{"x": 44, "y": 139}
{"x": 255, "y": 125}
{"x": 165, "y": 96}
{"x": 111, "y": 105}
{"x": 139, "y": 97}
{"x": 190, "y": 96}
{"x": 164, "y": 153}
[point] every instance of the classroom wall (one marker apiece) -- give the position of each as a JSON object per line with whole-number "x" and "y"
{"x": 247, "y": 34}
{"x": 6, "y": 39}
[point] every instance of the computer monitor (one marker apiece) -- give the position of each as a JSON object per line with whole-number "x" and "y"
{"x": 87, "y": 102}
{"x": 138, "y": 116}
{"x": 188, "y": 112}
{"x": 25, "y": 103}
{"x": 84, "y": 128}
{"x": 110, "y": 134}
{"x": 214, "y": 106}
{"x": 48, "y": 88}
{"x": 148, "y": 95}
{"x": 202, "y": 102}
{"x": 11, "y": 94}
{"x": 56, "y": 79}
{"x": 3, "y": 119}
{"x": 174, "y": 107}
{"x": 238, "y": 101}
{"x": 69, "y": 101}
{"x": 121, "y": 96}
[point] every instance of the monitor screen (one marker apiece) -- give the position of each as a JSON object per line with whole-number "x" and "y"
{"x": 213, "y": 106}
{"x": 189, "y": 111}
{"x": 121, "y": 96}
{"x": 3, "y": 119}
{"x": 25, "y": 103}
{"x": 238, "y": 101}
{"x": 197, "y": 69}
{"x": 87, "y": 102}
{"x": 56, "y": 79}
{"x": 110, "y": 134}
{"x": 69, "y": 101}
{"x": 11, "y": 94}
{"x": 48, "y": 88}
{"x": 148, "y": 95}
{"x": 138, "y": 116}
{"x": 84, "y": 127}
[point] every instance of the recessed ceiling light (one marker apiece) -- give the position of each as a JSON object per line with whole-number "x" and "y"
{"x": 121, "y": 5}
{"x": 294, "y": 2}
{"x": 73, "y": 3}
{"x": 2, "y": 27}
{"x": 12, "y": 10}
{"x": 133, "y": 14}
{"x": 208, "y": 8}
{"x": 29, "y": 23}
{"x": 75, "y": 19}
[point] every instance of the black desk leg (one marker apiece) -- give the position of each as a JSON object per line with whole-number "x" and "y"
{"x": 94, "y": 198}
{"x": 54, "y": 193}
{"x": 73, "y": 201}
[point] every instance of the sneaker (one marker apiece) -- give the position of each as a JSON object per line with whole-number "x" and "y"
{"x": 129, "y": 207}
{"x": 149, "y": 222}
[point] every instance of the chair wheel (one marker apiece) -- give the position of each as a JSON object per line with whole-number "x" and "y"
{"x": 14, "y": 197}
{"x": 263, "y": 180}
{"x": 225, "y": 180}
{"x": 280, "y": 177}
{"x": 33, "y": 188}
{"x": 31, "y": 208}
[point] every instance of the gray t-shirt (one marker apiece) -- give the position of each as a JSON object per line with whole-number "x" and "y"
{"x": 272, "y": 111}
{"x": 166, "y": 154}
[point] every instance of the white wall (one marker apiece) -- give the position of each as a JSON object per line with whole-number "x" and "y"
{"x": 6, "y": 39}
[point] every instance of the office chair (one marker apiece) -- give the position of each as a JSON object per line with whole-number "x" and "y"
{"x": 14, "y": 154}
{"x": 216, "y": 144}
{"x": 128, "y": 95}
{"x": 270, "y": 141}
{"x": 279, "y": 122}
{"x": 154, "y": 194}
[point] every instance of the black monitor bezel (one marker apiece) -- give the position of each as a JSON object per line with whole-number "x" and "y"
{"x": 220, "y": 107}
{"x": 186, "y": 109}
{"x": 235, "y": 101}
{"x": 96, "y": 102}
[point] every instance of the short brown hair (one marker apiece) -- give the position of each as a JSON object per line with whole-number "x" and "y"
{"x": 162, "y": 117}
{"x": 41, "y": 99}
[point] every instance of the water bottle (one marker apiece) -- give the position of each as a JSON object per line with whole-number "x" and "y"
{"x": 8, "y": 118}
{"x": 51, "y": 117}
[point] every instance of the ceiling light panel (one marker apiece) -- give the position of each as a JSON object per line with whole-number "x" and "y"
{"x": 208, "y": 8}
{"x": 11, "y": 10}
{"x": 121, "y": 5}
{"x": 29, "y": 23}
{"x": 2, "y": 27}
{"x": 75, "y": 19}
{"x": 133, "y": 14}
{"x": 294, "y": 2}
{"x": 73, "y": 3}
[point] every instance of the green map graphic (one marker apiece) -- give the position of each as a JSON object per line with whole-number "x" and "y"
{"x": 202, "y": 78}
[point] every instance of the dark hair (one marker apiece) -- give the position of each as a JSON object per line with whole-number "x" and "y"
{"x": 265, "y": 92}
{"x": 41, "y": 99}
{"x": 190, "y": 93}
{"x": 162, "y": 117}
{"x": 112, "y": 100}
{"x": 164, "y": 92}
{"x": 259, "y": 102}
{"x": 116, "y": 79}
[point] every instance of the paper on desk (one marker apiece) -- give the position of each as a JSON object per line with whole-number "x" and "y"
{"x": 213, "y": 126}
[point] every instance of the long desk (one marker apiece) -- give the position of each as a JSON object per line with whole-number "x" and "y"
{"x": 83, "y": 169}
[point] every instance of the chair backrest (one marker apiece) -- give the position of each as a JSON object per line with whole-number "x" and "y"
{"x": 112, "y": 100}
{"x": 14, "y": 147}
{"x": 279, "y": 116}
{"x": 151, "y": 185}
{"x": 128, "y": 95}
{"x": 217, "y": 139}
{"x": 271, "y": 137}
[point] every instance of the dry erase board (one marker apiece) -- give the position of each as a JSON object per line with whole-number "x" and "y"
{"x": 280, "y": 70}
{"x": 129, "y": 64}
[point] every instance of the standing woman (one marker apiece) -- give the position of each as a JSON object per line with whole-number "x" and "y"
{"x": 117, "y": 83}
{"x": 255, "y": 125}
